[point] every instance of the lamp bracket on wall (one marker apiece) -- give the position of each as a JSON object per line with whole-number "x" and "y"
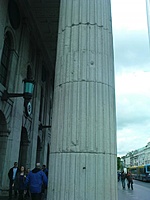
{"x": 7, "y": 95}
{"x": 44, "y": 126}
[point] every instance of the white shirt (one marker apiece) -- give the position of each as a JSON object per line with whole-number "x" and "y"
{"x": 14, "y": 172}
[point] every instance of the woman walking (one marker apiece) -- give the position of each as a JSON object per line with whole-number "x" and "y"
{"x": 19, "y": 182}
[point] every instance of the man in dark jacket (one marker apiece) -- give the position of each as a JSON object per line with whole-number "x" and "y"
{"x": 123, "y": 177}
{"x": 12, "y": 175}
{"x": 130, "y": 180}
{"x": 35, "y": 179}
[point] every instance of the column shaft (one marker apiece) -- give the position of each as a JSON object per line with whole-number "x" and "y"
{"x": 83, "y": 144}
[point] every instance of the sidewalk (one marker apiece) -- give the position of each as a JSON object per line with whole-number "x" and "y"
{"x": 3, "y": 198}
{"x": 136, "y": 194}
{"x": 124, "y": 194}
{"x": 6, "y": 198}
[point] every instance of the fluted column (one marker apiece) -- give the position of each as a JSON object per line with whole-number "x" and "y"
{"x": 148, "y": 17}
{"x": 83, "y": 144}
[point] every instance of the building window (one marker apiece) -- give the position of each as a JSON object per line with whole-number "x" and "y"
{"x": 5, "y": 60}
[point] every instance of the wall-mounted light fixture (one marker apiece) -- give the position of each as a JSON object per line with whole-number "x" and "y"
{"x": 28, "y": 91}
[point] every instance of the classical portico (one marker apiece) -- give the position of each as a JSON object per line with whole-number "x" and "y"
{"x": 69, "y": 46}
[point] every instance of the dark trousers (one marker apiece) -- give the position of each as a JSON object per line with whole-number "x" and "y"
{"x": 27, "y": 195}
{"x": 11, "y": 188}
{"x": 21, "y": 193}
{"x": 36, "y": 196}
{"x": 130, "y": 182}
{"x": 123, "y": 183}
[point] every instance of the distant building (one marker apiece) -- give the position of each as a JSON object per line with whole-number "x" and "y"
{"x": 138, "y": 157}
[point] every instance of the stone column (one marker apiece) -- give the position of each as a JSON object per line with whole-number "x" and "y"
{"x": 83, "y": 144}
{"x": 148, "y": 17}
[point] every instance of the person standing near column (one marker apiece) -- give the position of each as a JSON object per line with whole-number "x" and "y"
{"x": 12, "y": 175}
{"x": 19, "y": 183}
{"x": 35, "y": 179}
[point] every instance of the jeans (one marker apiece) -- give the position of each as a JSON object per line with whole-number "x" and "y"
{"x": 130, "y": 182}
{"x": 123, "y": 183}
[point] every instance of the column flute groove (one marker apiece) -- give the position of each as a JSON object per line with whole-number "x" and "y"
{"x": 83, "y": 153}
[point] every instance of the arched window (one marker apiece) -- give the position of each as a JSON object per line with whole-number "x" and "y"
{"x": 5, "y": 59}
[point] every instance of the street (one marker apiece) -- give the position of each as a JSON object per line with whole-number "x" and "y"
{"x": 141, "y": 191}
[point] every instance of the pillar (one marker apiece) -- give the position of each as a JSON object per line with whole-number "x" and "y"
{"x": 83, "y": 145}
{"x": 148, "y": 17}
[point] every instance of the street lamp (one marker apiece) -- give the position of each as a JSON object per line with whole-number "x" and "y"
{"x": 28, "y": 90}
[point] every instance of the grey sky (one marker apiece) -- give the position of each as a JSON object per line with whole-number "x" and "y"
{"x": 132, "y": 48}
{"x": 132, "y": 74}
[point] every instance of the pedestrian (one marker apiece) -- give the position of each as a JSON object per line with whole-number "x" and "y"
{"x": 35, "y": 179}
{"x": 27, "y": 193}
{"x": 119, "y": 175}
{"x": 123, "y": 177}
{"x": 130, "y": 180}
{"x": 45, "y": 170}
{"x": 12, "y": 175}
{"x": 44, "y": 188}
{"x": 19, "y": 182}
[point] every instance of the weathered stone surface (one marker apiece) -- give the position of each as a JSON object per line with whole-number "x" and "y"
{"x": 83, "y": 146}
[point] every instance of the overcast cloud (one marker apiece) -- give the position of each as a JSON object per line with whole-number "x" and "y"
{"x": 132, "y": 74}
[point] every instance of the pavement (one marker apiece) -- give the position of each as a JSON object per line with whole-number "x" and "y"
{"x": 141, "y": 191}
{"x": 6, "y": 198}
{"x": 3, "y": 198}
{"x": 137, "y": 193}
{"x": 125, "y": 194}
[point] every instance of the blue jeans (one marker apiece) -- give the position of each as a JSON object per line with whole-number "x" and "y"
{"x": 123, "y": 183}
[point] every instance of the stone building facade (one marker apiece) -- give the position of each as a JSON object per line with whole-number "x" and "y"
{"x": 137, "y": 157}
{"x": 68, "y": 45}
{"x": 20, "y": 47}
